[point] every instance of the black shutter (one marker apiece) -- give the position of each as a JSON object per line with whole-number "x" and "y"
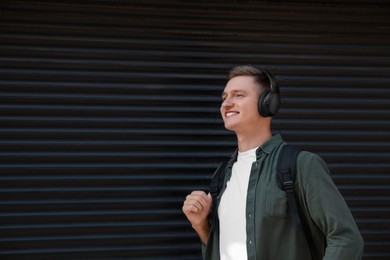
{"x": 109, "y": 115}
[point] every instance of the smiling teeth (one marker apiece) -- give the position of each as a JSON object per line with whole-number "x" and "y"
{"x": 231, "y": 113}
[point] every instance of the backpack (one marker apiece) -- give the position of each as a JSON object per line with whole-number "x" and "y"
{"x": 286, "y": 170}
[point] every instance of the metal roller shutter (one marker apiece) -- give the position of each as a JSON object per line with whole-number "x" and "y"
{"x": 109, "y": 115}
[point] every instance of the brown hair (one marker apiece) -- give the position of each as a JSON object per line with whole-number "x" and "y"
{"x": 247, "y": 70}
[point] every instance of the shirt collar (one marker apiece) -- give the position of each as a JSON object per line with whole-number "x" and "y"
{"x": 266, "y": 147}
{"x": 269, "y": 145}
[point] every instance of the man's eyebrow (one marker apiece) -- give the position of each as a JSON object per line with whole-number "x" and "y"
{"x": 234, "y": 91}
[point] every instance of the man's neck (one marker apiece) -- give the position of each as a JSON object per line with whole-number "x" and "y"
{"x": 250, "y": 141}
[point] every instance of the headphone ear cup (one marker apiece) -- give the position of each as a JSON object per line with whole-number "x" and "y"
{"x": 263, "y": 108}
{"x": 273, "y": 103}
{"x": 269, "y": 103}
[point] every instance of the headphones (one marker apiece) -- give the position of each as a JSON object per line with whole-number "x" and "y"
{"x": 269, "y": 100}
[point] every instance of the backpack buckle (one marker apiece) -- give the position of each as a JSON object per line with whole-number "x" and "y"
{"x": 288, "y": 185}
{"x": 213, "y": 191}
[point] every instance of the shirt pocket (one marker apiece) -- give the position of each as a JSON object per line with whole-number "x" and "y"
{"x": 275, "y": 201}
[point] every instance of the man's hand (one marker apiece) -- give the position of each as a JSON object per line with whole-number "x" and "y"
{"x": 196, "y": 207}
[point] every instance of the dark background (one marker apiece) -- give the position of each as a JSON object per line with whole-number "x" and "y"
{"x": 109, "y": 115}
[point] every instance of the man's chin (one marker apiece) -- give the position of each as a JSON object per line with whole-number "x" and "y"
{"x": 230, "y": 127}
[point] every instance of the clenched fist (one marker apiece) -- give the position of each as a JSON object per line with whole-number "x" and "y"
{"x": 196, "y": 207}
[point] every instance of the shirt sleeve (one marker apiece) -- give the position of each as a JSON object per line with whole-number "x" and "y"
{"x": 328, "y": 210}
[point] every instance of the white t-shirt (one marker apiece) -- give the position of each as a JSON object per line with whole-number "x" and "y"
{"x": 232, "y": 209}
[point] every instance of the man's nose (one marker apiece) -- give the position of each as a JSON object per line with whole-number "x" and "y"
{"x": 227, "y": 103}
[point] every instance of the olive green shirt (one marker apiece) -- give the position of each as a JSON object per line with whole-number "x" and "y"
{"x": 271, "y": 234}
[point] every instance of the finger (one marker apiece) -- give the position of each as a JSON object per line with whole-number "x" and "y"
{"x": 201, "y": 196}
{"x": 197, "y": 198}
{"x": 190, "y": 208}
{"x": 195, "y": 203}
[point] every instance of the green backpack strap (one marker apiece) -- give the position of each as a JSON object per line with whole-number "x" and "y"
{"x": 216, "y": 182}
{"x": 286, "y": 171}
{"x": 216, "y": 185}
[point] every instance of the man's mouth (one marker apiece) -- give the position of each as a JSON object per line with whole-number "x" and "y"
{"x": 232, "y": 113}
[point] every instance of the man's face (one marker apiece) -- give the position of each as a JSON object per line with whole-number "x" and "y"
{"x": 239, "y": 108}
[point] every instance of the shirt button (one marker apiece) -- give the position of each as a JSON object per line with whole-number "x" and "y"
{"x": 250, "y": 242}
{"x": 250, "y": 215}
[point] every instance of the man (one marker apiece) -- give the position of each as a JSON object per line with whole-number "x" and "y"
{"x": 252, "y": 212}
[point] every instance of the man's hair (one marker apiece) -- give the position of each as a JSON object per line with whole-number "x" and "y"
{"x": 247, "y": 70}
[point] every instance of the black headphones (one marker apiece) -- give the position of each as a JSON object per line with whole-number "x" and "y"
{"x": 269, "y": 100}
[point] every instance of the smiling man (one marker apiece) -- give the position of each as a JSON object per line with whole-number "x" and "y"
{"x": 240, "y": 112}
{"x": 251, "y": 210}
